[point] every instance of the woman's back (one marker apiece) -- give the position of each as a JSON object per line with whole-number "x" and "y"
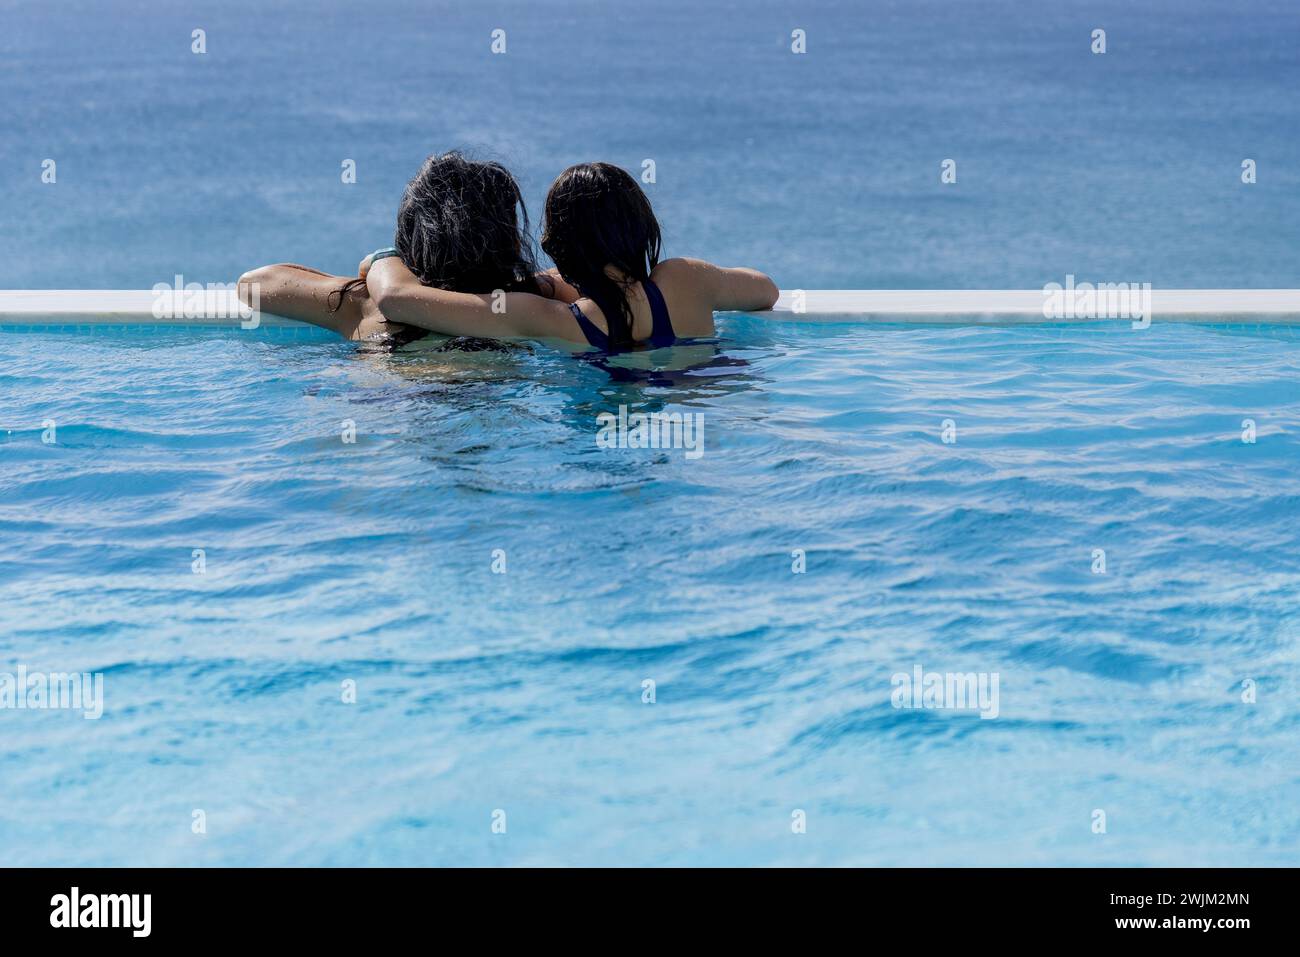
{"x": 677, "y": 302}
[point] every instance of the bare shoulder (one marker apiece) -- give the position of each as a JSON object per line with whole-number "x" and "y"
{"x": 704, "y": 285}
{"x": 533, "y": 315}
{"x": 683, "y": 270}
{"x": 688, "y": 293}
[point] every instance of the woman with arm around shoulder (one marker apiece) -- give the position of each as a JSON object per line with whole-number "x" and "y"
{"x": 461, "y": 225}
{"x": 602, "y": 234}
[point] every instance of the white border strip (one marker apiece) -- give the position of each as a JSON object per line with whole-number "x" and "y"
{"x": 1013, "y": 306}
{"x": 45, "y": 307}
{"x": 942, "y": 306}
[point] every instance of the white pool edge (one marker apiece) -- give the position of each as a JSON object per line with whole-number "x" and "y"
{"x": 922, "y": 306}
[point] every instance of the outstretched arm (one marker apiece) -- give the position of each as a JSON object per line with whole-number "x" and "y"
{"x": 298, "y": 292}
{"x": 740, "y": 289}
{"x": 746, "y": 290}
{"x": 725, "y": 290}
{"x": 401, "y": 297}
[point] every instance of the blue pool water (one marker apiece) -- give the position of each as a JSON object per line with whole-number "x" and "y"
{"x": 372, "y": 562}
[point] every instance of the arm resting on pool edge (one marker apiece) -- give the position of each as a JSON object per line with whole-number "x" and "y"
{"x": 305, "y": 294}
{"x": 737, "y": 289}
{"x": 400, "y": 297}
{"x": 746, "y": 290}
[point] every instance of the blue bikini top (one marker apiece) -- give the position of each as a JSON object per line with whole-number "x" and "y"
{"x": 661, "y": 332}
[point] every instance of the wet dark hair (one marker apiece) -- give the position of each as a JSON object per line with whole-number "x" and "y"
{"x": 462, "y": 225}
{"x": 597, "y": 216}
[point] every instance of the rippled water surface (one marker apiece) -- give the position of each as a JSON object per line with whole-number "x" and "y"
{"x": 372, "y": 562}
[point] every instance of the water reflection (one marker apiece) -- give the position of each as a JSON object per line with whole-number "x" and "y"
{"x": 465, "y": 371}
{"x": 496, "y": 416}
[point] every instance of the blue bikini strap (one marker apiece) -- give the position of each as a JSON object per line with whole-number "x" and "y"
{"x": 661, "y": 329}
{"x": 589, "y": 329}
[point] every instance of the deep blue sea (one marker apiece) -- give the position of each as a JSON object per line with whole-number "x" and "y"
{"x": 431, "y": 645}
{"x": 822, "y": 168}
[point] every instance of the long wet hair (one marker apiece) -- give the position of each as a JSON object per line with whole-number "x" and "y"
{"x": 462, "y": 226}
{"x": 597, "y": 216}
